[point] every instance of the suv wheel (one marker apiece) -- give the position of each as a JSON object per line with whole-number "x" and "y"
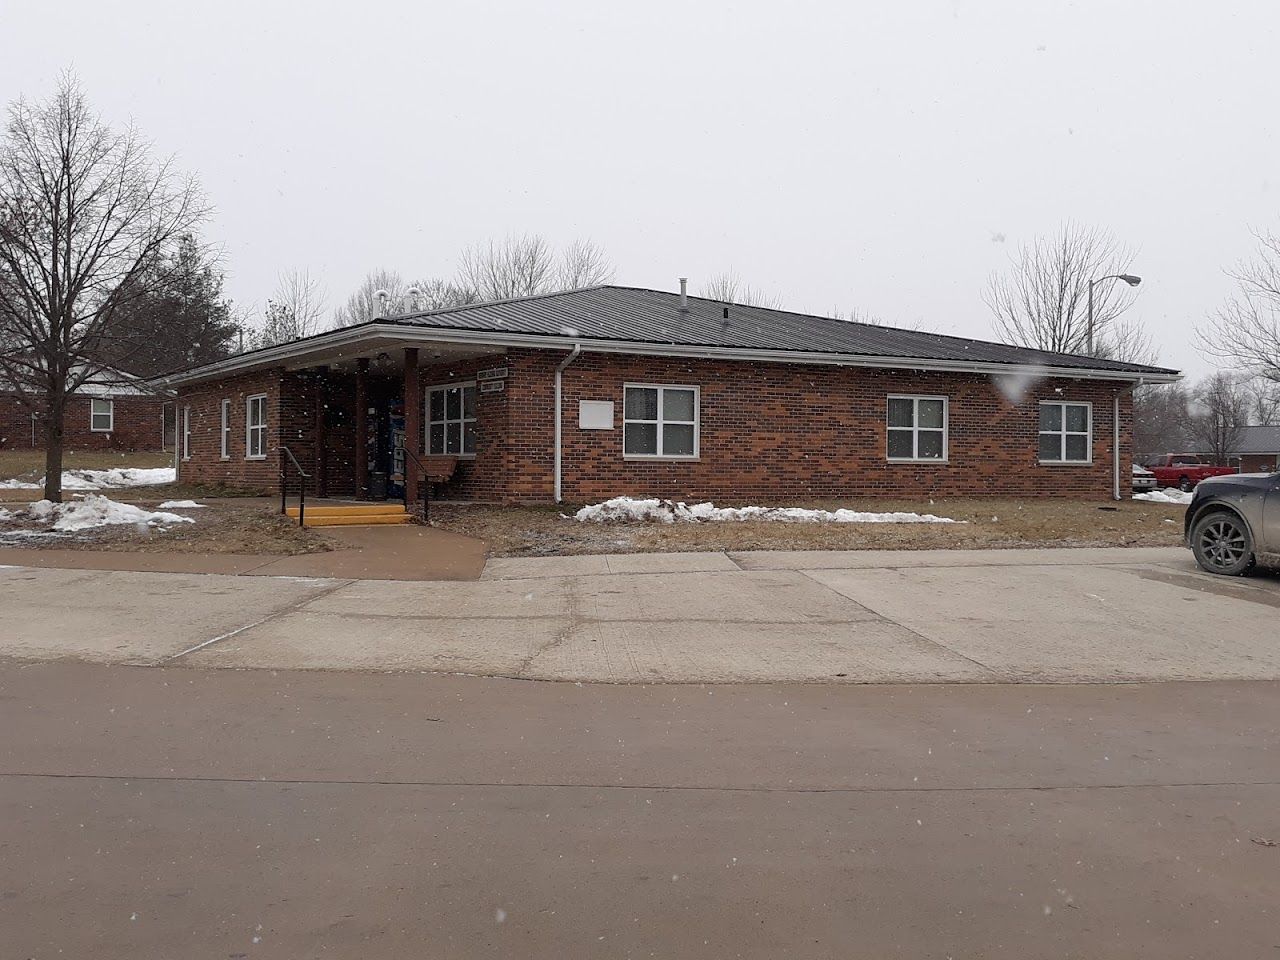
{"x": 1221, "y": 544}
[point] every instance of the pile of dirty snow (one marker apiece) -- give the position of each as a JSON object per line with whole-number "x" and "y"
{"x": 114, "y": 479}
{"x": 1167, "y": 495}
{"x": 97, "y": 511}
{"x": 667, "y": 511}
{"x": 181, "y": 505}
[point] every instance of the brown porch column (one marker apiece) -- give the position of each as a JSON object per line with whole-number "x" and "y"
{"x": 322, "y": 446}
{"x": 362, "y": 427}
{"x": 412, "y": 420}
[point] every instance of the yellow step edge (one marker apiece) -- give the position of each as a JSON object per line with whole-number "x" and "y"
{"x": 384, "y": 520}
{"x": 379, "y": 511}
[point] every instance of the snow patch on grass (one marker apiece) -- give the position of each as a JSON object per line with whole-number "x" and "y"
{"x": 1167, "y": 495}
{"x": 97, "y": 511}
{"x": 667, "y": 511}
{"x": 114, "y": 479}
{"x": 181, "y": 505}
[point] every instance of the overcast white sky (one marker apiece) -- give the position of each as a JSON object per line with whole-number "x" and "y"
{"x": 855, "y": 154}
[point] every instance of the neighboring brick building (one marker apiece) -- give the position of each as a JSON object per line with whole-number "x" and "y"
{"x": 113, "y": 411}
{"x": 659, "y": 394}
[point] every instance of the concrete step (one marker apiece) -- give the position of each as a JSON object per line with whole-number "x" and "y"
{"x": 368, "y": 520}
{"x": 349, "y": 510}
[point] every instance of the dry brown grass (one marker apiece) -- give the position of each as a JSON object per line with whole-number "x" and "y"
{"x": 543, "y": 531}
{"x": 230, "y": 526}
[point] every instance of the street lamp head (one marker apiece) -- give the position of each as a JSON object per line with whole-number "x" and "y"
{"x": 1130, "y": 279}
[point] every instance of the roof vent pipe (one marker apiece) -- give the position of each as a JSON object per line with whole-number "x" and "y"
{"x": 684, "y": 294}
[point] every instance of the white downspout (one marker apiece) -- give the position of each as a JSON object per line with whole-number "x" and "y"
{"x": 1115, "y": 436}
{"x": 560, "y": 369}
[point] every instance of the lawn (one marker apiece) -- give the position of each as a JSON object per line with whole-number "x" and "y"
{"x": 29, "y": 464}
{"x": 544, "y": 531}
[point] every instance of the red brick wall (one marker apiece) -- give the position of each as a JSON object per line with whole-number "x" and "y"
{"x": 768, "y": 432}
{"x": 205, "y": 464}
{"x": 1259, "y": 463}
{"x": 786, "y": 432}
{"x": 137, "y": 425}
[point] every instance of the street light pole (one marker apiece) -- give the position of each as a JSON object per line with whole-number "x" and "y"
{"x": 1128, "y": 278}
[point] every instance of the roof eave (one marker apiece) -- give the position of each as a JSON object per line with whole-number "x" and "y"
{"x": 272, "y": 356}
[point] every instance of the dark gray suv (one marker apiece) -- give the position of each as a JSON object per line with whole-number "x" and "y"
{"x": 1233, "y": 522}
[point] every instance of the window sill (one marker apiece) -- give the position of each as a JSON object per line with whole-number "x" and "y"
{"x": 460, "y": 456}
{"x": 936, "y": 460}
{"x": 262, "y": 457}
{"x": 650, "y": 458}
{"x": 100, "y": 430}
{"x": 224, "y": 458}
{"x": 1066, "y": 463}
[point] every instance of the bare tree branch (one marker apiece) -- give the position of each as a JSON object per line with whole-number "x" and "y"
{"x": 1245, "y": 332}
{"x": 728, "y": 287}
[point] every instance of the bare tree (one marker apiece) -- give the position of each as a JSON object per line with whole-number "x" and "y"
{"x": 1246, "y": 330}
{"x": 365, "y": 304}
{"x": 582, "y": 264}
{"x": 1043, "y": 300}
{"x": 727, "y": 287}
{"x": 1220, "y": 415}
{"x": 519, "y": 266}
{"x": 1161, "y": 421}
{"x": 1264, "y": 401}
{"x": 303, "y": 297}
{"x": 86, "y": 215}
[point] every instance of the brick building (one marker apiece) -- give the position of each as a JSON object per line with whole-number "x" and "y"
{"x": 609, "y": 390}
{"x": 112, "y": 411}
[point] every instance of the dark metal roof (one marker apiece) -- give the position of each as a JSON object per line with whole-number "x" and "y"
{"x": 637, "y": 315}
{"x": 1258, "y": 440}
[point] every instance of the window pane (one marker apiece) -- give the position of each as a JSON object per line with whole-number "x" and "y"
{"x": 469, "y": 402}
{"x": 469, "y": 437}
{"x": 436, "y": 443}
{"x": 437, "y": 405}
{"x": 1050, "y": 416}
{"x": 677, "y": 405}
{"x": 930, "y": 444}
{"x": 900, "y": 412}
{"x": 641, "y": 403}
{"x": 1050, "y": 446}
{"x": 640, "y": 437}
{"x": 677, "y": 439}
{"x": 1077, "y": 418}
{"x": 453, "y": 438}
{"x": 1077, "y": 448}
{"x": 452, "y": 403}
{"x": 930, "y": 414}
{"x": 900, "y": 444}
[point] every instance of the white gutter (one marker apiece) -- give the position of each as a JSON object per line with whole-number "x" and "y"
{"x": 353, "y": 337}
{"x": 560, "y": 369}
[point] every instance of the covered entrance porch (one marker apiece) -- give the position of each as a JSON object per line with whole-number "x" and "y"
{"x": 395, "y": 422}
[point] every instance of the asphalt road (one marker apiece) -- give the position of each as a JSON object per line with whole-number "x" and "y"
{"x": 171, "y": 812}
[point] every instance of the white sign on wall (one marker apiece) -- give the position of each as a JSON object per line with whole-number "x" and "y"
{"x": 595, "y": 414}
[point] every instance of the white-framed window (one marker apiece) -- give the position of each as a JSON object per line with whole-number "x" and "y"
{"x": 255, "y": 427}
{"x": 451, "y": 419}
{"x": 224, "y": 431}
{"x": 917, "y": 428}
{"x": 186, "y": 433}
{"x": 1066, "y": 432}
{"x": 660, "y": 420}
{"x": 102, "y": 415}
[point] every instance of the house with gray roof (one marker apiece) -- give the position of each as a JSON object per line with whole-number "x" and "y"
{"x": 609, "y": 390}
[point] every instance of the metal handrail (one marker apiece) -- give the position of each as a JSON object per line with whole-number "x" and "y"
{"x": 426, "y": 486}
{"x": 303, "y": 477}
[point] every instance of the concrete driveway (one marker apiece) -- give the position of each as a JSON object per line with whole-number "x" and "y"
{"x": 864, "y": 617}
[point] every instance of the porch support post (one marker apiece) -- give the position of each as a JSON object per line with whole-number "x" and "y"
{"x": 362, "y": 427}
{"x": 322, "y": 446}
{"x": 412, "y": 421}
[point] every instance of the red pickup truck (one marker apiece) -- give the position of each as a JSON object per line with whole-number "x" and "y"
{"x": 1184, "y": 470}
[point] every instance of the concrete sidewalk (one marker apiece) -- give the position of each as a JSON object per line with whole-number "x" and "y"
{"x": 408, "y": 552}
{"x": 1011, "y": 616}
